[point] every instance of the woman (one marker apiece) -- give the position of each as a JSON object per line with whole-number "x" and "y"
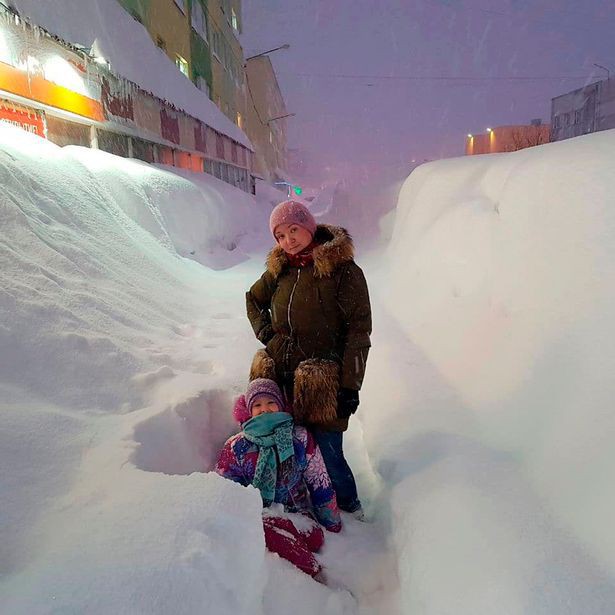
{"x": 311, "y": 308}
{"x": 283, "y": 462}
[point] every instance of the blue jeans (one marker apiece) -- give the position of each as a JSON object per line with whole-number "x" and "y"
{"x": 330, "y": 444}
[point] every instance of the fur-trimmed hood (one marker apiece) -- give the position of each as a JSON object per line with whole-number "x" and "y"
{"x": 334, "y": 248}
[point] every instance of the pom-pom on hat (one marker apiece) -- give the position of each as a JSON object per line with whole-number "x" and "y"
{"x": 292, "y": 212}
{"x": 260, "y": 387}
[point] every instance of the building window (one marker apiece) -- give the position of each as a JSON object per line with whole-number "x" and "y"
{"x": 270, "y": 137}
{"x": 181, "y": 4}
{"x": 234, "y": 21}
{"x": 182, "y": 65}
{"x": 199, "y": 20}
{"x": 239, "y": 120}
{"x": 216, "y": 44}
{"x": 203, "y": 86}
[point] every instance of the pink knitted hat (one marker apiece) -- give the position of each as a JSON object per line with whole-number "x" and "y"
{"x": 292, "y": 212}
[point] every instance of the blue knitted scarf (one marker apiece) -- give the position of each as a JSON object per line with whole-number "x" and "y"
{"x": 272, "y": 432}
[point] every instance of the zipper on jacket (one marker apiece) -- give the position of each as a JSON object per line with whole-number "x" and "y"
{"x": 290, "y": 302}
{"x": 290, "y": 324}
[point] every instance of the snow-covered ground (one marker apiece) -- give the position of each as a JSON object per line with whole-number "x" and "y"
{"x": 482, "y": 444}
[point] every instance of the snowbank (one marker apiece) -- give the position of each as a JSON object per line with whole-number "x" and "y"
{"x": 93, "y": 243}
{"x": 497, "y": 441}
{"x": 132, "y": 54}
{"x": 116, "y": 383}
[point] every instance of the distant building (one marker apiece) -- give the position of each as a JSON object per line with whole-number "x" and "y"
{"x": 588, "y": 109}
{"x": 266, "y": 125}
{"x": 508, "y": 138}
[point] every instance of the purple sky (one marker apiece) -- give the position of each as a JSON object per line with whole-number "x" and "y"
{"x": 374, "y": 124}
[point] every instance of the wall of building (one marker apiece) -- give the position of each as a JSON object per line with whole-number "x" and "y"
{"x": 168, "y": 22}
{"x": 227, "y": 58}
{"x": 265, "y": 102}
{"x": 137, "y": 8}
{"x": 588, "y": 109}
{"x": 575, "y": 113}
{"x": 507, "y": 139}
{"x": 201, "y": 47}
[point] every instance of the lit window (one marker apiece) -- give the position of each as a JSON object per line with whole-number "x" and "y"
{"x": 239, "y": 120}
{"x": 234, "y": 21}
{"x": 270, "y": 137}
{"x": 182, "y": 65}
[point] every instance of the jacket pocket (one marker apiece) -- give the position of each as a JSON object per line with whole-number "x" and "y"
{"x": 274, "y": 347}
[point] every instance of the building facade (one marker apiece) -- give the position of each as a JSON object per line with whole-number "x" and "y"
{"x": 59, "y": 92}
{"x": 508, "y": 138}
{"x": 200, "y": 46}
{"x": 588, "y": 109}
{"x": 228, "y": 83}
{"x": 266, "y": 125}
{"x": 202, "y": 39}
{"x": 168, "y": 23}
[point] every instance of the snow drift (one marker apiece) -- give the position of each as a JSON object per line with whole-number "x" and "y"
{"x": 486, "y": 408}
{"x": 112, "y": 380}
{"x": 497, "y": 444}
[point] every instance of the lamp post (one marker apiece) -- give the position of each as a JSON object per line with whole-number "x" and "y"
{"x": 280, "y": 117}
{"x": 264, "y": 53}
{"x": 608, "y": 72}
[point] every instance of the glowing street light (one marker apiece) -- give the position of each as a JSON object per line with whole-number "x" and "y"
{"x": 470, "y": 136}
{"x": 489, "y": 129}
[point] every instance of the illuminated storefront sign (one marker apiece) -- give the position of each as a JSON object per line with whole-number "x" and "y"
{"x": 39, "y": 69}
{"x": 27, "y": 119}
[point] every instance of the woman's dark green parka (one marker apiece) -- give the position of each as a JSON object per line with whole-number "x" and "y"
{"x": 321, "y": 310}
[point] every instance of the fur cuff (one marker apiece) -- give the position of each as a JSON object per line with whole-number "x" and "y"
{"x": 262, "y": 366}
{"x": 315, "y": 392}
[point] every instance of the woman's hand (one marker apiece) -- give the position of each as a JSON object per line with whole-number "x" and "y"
{"x": 347, "y": 402}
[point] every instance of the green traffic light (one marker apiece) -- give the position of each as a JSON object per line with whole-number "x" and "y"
{"x": 298, "y": 190}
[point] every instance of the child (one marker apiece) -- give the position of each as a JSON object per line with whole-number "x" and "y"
{"x": 312, "y": 306}
{"x": 284, "y": 463}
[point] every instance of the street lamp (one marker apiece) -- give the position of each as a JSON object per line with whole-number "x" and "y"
{"x": 280, "y": 117}
{"x": 608, "y": 72}
{"x": 264, "y": 53}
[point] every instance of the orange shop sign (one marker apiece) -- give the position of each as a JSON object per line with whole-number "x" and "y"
{"x": 37, "y": 88}
{"x": 29, "y": 120}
